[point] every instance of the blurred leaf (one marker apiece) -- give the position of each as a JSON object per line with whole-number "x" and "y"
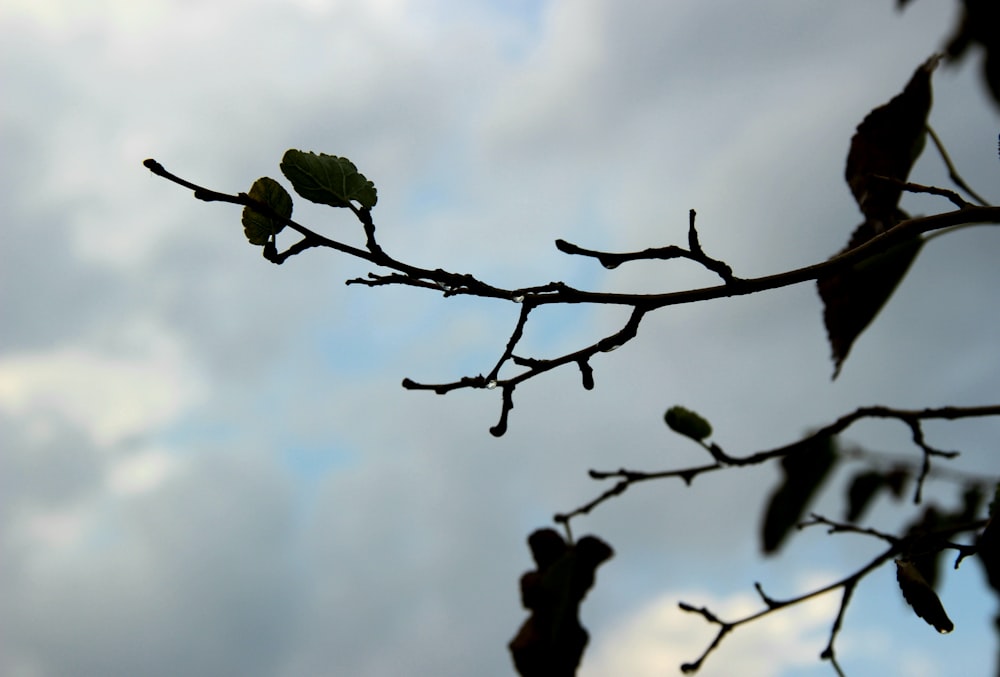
{"x": 861, "y": 492}
{"x": 853, "y": 296}
{"x": 887, "y": 143}
{"x": 925, "y": 542}
{"x": 551, "y": 641}
{"x": 327, "y": 179}
{"x": 988, "y": 544}
{"x": 259, "y": 227}
{"x": 921, "y": 597}
{"x": 978, "y": 26}
{"x": 925, "y": 547}
{"x": 866, "y": 485}
{"x": 804, "y": 472}
{"x": 688, "y": 423}
{"x": 972, "y": 502}
{"x": 895, "y": 480}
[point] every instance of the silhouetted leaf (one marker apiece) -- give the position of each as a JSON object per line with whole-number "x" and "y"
{"x": 861, "y": 492}
{"x": 921, "y": 596}
{"x": 327, "y": 179}
{"x": 853, "y": 296}
{"x": 259, "y": 227}
{"x": 688, "y": 423}
{"x": 887, "y": 144}
{"x": 551, "y": 641}
{"x": 804, "y": 472}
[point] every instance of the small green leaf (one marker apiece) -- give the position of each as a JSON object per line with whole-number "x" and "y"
{"x": 259, "y": 227}
{"x": 688, "y": 423}
{"x": 327, "y": 179}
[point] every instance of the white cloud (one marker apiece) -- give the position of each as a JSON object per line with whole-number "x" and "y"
{"x": 659, "y": 637}
{"x": 109, "y": 396}
{"x": 141, "y": 472}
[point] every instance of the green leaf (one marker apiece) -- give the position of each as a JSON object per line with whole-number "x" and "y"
{"x": 853, "y": 296}
{"x": 259, "y": 227}
{"x": 804, "y": 472}
{"x": 688, "y": 423}
{"x": 887, "y": 144}
{"x": 327, "y": 179}
{"x": 919, "y": 594}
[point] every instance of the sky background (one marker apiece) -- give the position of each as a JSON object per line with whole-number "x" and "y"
{"x": 207, "y": 464}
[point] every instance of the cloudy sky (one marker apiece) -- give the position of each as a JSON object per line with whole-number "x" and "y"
{"x": 207, "y": 464}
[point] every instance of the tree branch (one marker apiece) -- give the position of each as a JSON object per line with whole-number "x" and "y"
{"x": 912, "y": 418}
{"x": 463, "y": 284}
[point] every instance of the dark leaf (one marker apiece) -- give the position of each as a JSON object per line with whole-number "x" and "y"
{"x": 972, "y": 501}
{"x": 896, "y": 480}
{"x": 925, "y": 540}
{"x": 988, "y": 544}
{"x": 259, "y": 228}
{"x": 887, "y": 144}
{"x": 551, "y": 641}
{"x": 925, "y": 546}
{"x": 327, "y": 179}
{"x": 853, "y": 296}
{"x": 978, "y": 26}
{"x": 804, "y": 472}
{"x": 688, "y": 423}
{"x": 921, "y": 596}
{"x": 862, "y": 492}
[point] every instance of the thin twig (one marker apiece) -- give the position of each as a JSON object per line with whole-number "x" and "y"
{"x": 771, "y": 605}
{"x": 952, "y": 172}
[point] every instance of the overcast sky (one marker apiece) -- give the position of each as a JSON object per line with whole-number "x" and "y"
{"x": 207, "y": 464}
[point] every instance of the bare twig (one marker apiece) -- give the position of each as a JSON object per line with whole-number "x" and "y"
{"x": 954, "y": 197}
{"x": 694, "y": 252}
{"x": 952, "y": 172}
{"x": 771, "y": 605}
